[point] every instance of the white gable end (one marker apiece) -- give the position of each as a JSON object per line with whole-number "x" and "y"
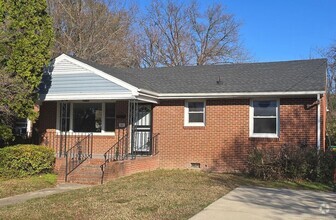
{"x": 67, "y": 67}
{"x": 70, "y": 79}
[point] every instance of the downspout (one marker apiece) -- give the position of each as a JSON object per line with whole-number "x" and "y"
{"x": 318, "y": 144}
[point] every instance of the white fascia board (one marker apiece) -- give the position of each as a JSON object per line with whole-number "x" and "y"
{"x": 66, "y": 97}
{"x": 148, "y": 96}
{"x": 233, "y": 95}
{"x": 113, "y": 79}
{"x": 147, "y": 99}
{"x": 148, "y": 92}
{"x": 224, "y": 95}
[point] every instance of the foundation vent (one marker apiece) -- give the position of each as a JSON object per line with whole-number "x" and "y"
{"x": 196, "y": 165}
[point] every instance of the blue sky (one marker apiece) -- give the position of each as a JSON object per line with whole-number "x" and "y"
{"x": 275, "y": 30}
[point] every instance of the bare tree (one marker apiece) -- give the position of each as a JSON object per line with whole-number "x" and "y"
{"x": 178, "y": 34}
{"x": 330, "y": 54}
{"x": 96, "y": 30}
{"x": 215, "y": 35}
{"x": 166, "y": 39}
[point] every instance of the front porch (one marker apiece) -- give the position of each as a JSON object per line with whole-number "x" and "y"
{"x": 127, "y": 123}
{"x": 109, "y": 131}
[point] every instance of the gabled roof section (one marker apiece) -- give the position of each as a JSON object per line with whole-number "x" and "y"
{"x": 287, "y": 77}
{"x": 71, "y": 79}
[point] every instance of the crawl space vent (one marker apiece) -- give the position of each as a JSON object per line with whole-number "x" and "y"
{"x": 195, "y": 165}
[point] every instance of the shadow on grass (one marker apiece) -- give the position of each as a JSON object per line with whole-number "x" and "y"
{"x": 245, "y": 180}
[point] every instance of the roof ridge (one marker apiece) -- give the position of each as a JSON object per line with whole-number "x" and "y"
{"x": 194, "y": 66}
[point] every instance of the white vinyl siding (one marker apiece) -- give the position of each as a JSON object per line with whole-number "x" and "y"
{"x": 72, "y": 80}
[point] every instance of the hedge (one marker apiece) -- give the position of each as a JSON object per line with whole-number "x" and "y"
{"x": 26, "y": 160}
{"x": 293, "y": 163}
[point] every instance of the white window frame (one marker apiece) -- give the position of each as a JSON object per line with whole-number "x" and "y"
{"x": 102, "y": 133}
{"x": 186, "y": 114}
{"x": 265, "y": 135}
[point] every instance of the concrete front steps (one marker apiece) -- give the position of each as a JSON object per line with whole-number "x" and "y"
{"x": 89, "y": 172}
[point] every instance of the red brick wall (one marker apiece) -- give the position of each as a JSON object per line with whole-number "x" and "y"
{"x": 127, "y": 167}
{"x": 224, "y": 142}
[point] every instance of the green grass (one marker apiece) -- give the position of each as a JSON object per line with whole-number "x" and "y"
{"x": 15, "y": 186}
{"x": 297, "y": 185}
{"x": 160, "y": 194}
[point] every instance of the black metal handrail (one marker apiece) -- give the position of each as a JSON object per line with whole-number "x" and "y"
{"x": 119, "y": 151}
{"x": 78, "y": 153}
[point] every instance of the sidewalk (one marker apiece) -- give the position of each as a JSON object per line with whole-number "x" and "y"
{"x": 60, "y": 188}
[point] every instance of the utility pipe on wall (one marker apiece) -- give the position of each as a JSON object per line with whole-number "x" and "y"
{"x": 318, "y": 144}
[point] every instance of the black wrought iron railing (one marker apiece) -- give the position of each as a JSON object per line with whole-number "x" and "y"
{"x": 60, "y": 142}
{"x": 119, "y": 151}
{"x": 78, "y": 153}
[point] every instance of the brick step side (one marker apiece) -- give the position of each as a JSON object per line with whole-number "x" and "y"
{"x": 89, "y": 172}
{"x": 59, "y": 169}
{"x": 117, "y": 169}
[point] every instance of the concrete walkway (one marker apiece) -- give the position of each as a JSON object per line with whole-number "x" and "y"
{"x": 264, "y": 203}
{"x": 41, "y": 193}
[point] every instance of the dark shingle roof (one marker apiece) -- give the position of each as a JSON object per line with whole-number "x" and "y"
{"x": 284, "y": 76}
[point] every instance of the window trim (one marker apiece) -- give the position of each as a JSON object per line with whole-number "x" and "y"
{"x": 186, "y": 114}
{"x": 277, "y": 117}
{"x": 102, "y": 133}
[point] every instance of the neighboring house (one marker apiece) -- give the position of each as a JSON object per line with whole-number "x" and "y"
{"x": 194, "y": 116}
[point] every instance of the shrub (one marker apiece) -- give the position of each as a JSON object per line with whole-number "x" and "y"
{"x": 25, "y": 160}
{"x": 292, "y": 162}
{"x": 263, "y": 163}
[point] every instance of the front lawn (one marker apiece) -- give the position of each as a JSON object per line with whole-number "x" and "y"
{"x": 161, "y": 194}
{"x": 15, "y": 186}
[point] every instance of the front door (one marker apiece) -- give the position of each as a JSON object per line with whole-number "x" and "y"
{"x": 143, "y": 130}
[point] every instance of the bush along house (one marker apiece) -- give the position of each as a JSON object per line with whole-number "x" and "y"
{"x": 107, "y": 122}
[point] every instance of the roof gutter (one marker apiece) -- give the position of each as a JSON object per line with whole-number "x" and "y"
{"x": 224, "y": 95}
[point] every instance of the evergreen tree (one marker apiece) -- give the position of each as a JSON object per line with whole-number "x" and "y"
{"x": 26, "y": 38}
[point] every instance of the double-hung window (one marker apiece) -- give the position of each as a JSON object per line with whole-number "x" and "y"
{"x": 86, "y": 117}
{"x": 194, "y": 113}
{"x": 264, "y": 118}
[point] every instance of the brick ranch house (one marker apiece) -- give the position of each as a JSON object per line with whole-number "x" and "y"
{"x": 106, "y": 122}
